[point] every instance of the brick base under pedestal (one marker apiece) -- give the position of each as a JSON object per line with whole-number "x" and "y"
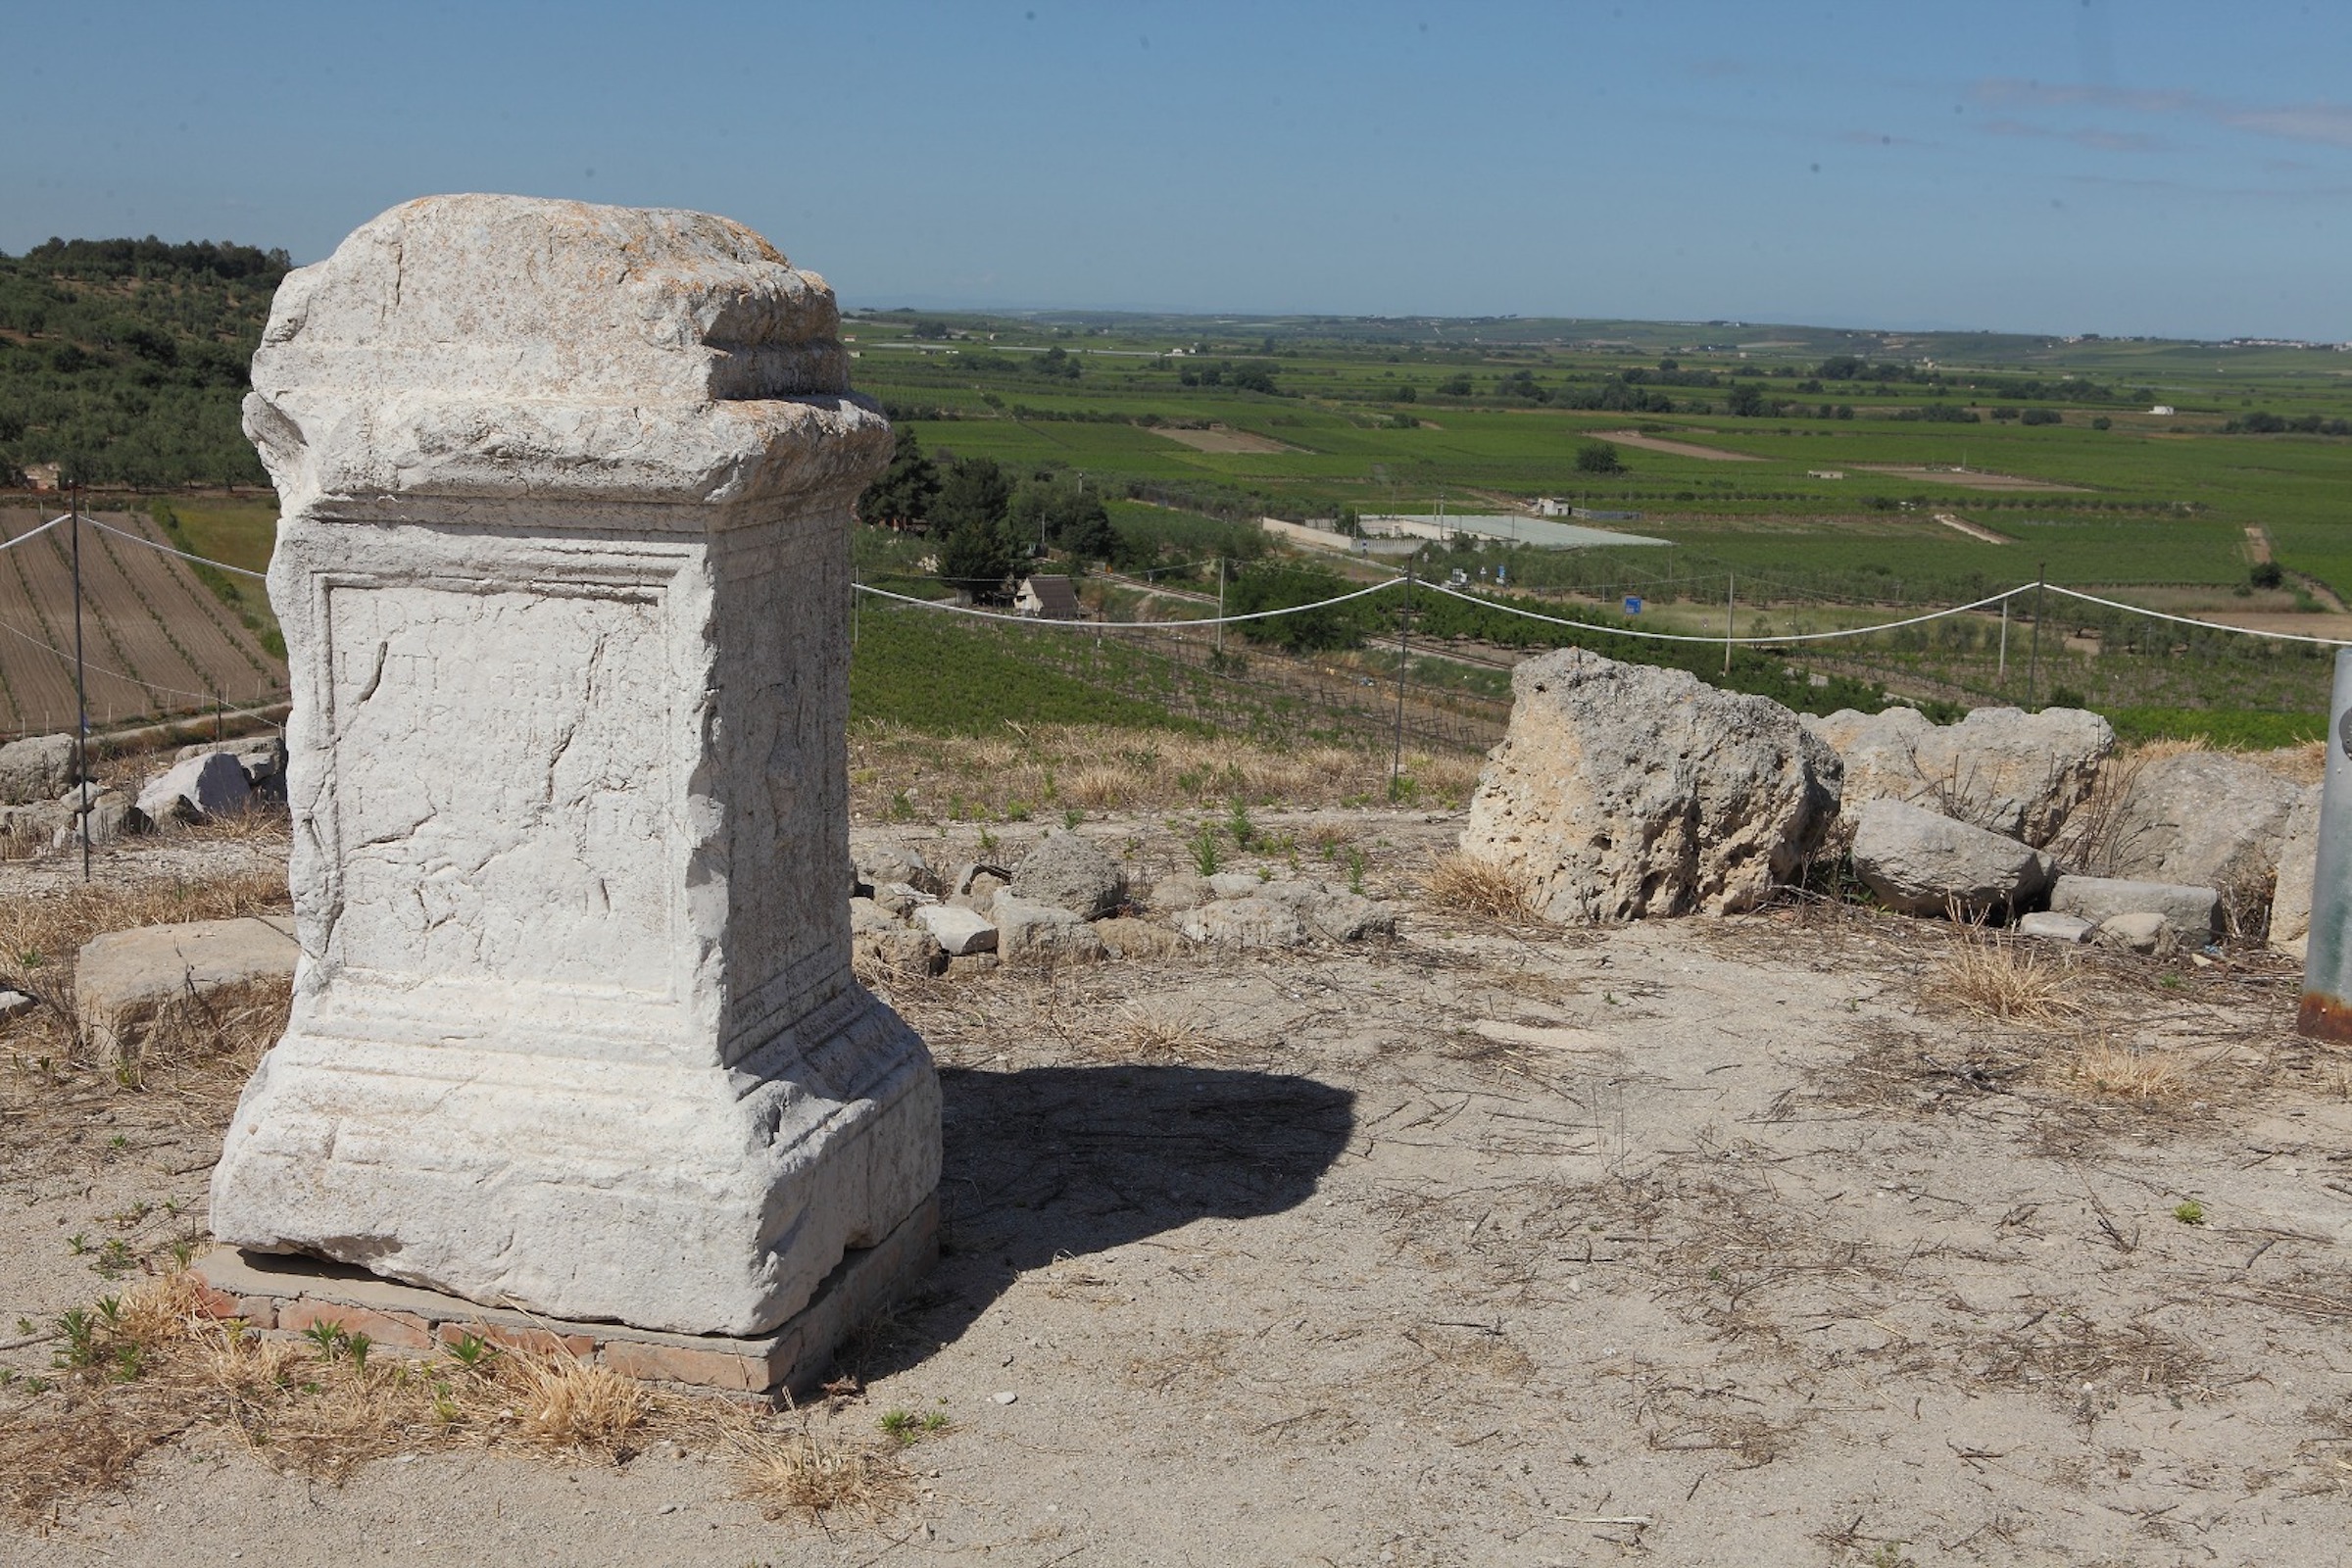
{"x": 282, "y": 1295}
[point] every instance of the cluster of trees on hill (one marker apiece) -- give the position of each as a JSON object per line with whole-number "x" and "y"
{"x": 986, "y": 518}
{"x": 125, "y": 362}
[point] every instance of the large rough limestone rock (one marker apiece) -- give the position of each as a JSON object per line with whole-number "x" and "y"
{"x": 1623, "y": 791}
{"x": 129, "y": 985}
{"x": 207, "y": 785}
{"x": 1070, "y": 872}
{"x": 1919, "y": 862}
{"x": 35, "y": 770}
{"x": 2298, "y": 865}
{"x": 2204, "y": 818}
{"x": 2002, "y": 769}
{"x": 563, "y": 571}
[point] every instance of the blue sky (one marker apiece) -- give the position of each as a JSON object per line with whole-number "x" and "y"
{"x": 2058, "y": 165}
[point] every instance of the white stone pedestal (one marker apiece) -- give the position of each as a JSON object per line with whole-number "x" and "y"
{"x": 564, "y": 568}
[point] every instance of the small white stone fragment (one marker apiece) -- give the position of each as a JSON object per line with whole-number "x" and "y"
{"x": 2050, "y": 926}
{"x": 960, "y": 931}
{"x": 1006, "y": 1397}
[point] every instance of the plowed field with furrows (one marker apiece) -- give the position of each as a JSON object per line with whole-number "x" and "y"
{"x": 156, "y": 640}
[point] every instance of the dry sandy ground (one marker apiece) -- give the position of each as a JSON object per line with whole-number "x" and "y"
{"x": 1702, "y": 1242}
{"x": 1679, "y": 449}
{"x": 1972, "y": 530}
{"x": 1966, "y": 478}
{"x": 1221, "y": 438}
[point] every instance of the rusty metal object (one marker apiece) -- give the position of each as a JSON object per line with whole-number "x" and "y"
{"x": 2326, "y": 1012}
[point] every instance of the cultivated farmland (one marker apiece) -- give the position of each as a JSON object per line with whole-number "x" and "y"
{"x": 156, "y": 640}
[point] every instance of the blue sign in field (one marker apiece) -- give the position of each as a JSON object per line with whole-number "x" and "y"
{"x": 1633, "y": 604}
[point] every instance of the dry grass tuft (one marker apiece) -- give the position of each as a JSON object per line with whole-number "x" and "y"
{"x": 1147, "y": 1032}
{"x": 573, "y": 1405}
{"x": 138, "y": 1371}
{"x": 800, "y": 1472}
{"x": 2007, "y": 981}
{"x": 1462, "y": 885}
{"x": 2101, "y": 1069}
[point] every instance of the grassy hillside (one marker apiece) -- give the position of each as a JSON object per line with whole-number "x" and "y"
{"x": 125, "y": 361}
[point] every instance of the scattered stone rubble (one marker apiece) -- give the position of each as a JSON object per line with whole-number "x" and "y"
{"x": 42, "y": 803}
{"x": 2005, "y": 770}
{"x": 1623, "y": 791}
{"x": 1067, "y": 899}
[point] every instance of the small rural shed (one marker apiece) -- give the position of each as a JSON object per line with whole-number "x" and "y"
{"x": 1048, "y": 598}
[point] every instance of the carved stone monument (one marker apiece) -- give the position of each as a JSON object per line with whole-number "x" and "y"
{"x": 564, "y": 568}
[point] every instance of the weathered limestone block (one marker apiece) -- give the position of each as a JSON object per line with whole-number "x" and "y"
{"x": 2050, "y": 926}
{"x": 1330, "y": 911}
{"x": 1070, "y": 872}
{"x": 1921, "y": 862}
{"x": 1180, "y": 891}
{"x": 2099, "y": 899}
{"x": 959, "y": 932}
{"x": 128, "y": 985}
{"x": 1625, "y": 790}
{"x": 2003, "y": 770}
{"x": 883, "y": 863}
{"x": 2298, "y": 868}
{"x": 2206, "y": 819}
{"x": 563, "y": 569}
{"x": 262, "y": 756}
{"x": 1246, "y": 923}
{"x": 208, "y": 784}
{"x": 1042, "y": 933}
{"x": 2145, "y": 932}
{"x": 37, "y": 769}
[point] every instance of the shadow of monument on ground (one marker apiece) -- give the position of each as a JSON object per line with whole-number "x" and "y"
{"x": 1050, "y": 1162}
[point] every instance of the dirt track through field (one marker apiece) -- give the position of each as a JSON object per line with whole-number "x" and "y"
{"x": 1678, "y": 449}
{"x": 1967, "y": 479}
{"x": 1221, "y": 438}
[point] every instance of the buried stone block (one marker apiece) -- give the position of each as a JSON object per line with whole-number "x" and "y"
{"x": 563, "y": 571}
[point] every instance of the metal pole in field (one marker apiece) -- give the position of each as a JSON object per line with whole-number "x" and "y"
{"x": 1220, "y": 604}
{"x": 2041, "y": 574}
{"x": 1405, "y": 619}
{"x": 2327, "y": 954}
{"x": 1730, "y": 596}
{"x": 2002, "y": 679}
{"x": 81, "y": 700}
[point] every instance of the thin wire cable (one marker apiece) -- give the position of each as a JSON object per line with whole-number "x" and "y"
{"x": 101, "y": 669}
{"x": 34, "y": 533}
{"x": 200, "y": 561}
{"x": 1124, "y": 626}
{"x": 1736, "y": 642}
{"x": 2203, "y": 625}
{"x": 1323, "y": 603}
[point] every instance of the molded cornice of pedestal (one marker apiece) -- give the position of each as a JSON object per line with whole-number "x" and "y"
{"x": 508, "y": 347}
